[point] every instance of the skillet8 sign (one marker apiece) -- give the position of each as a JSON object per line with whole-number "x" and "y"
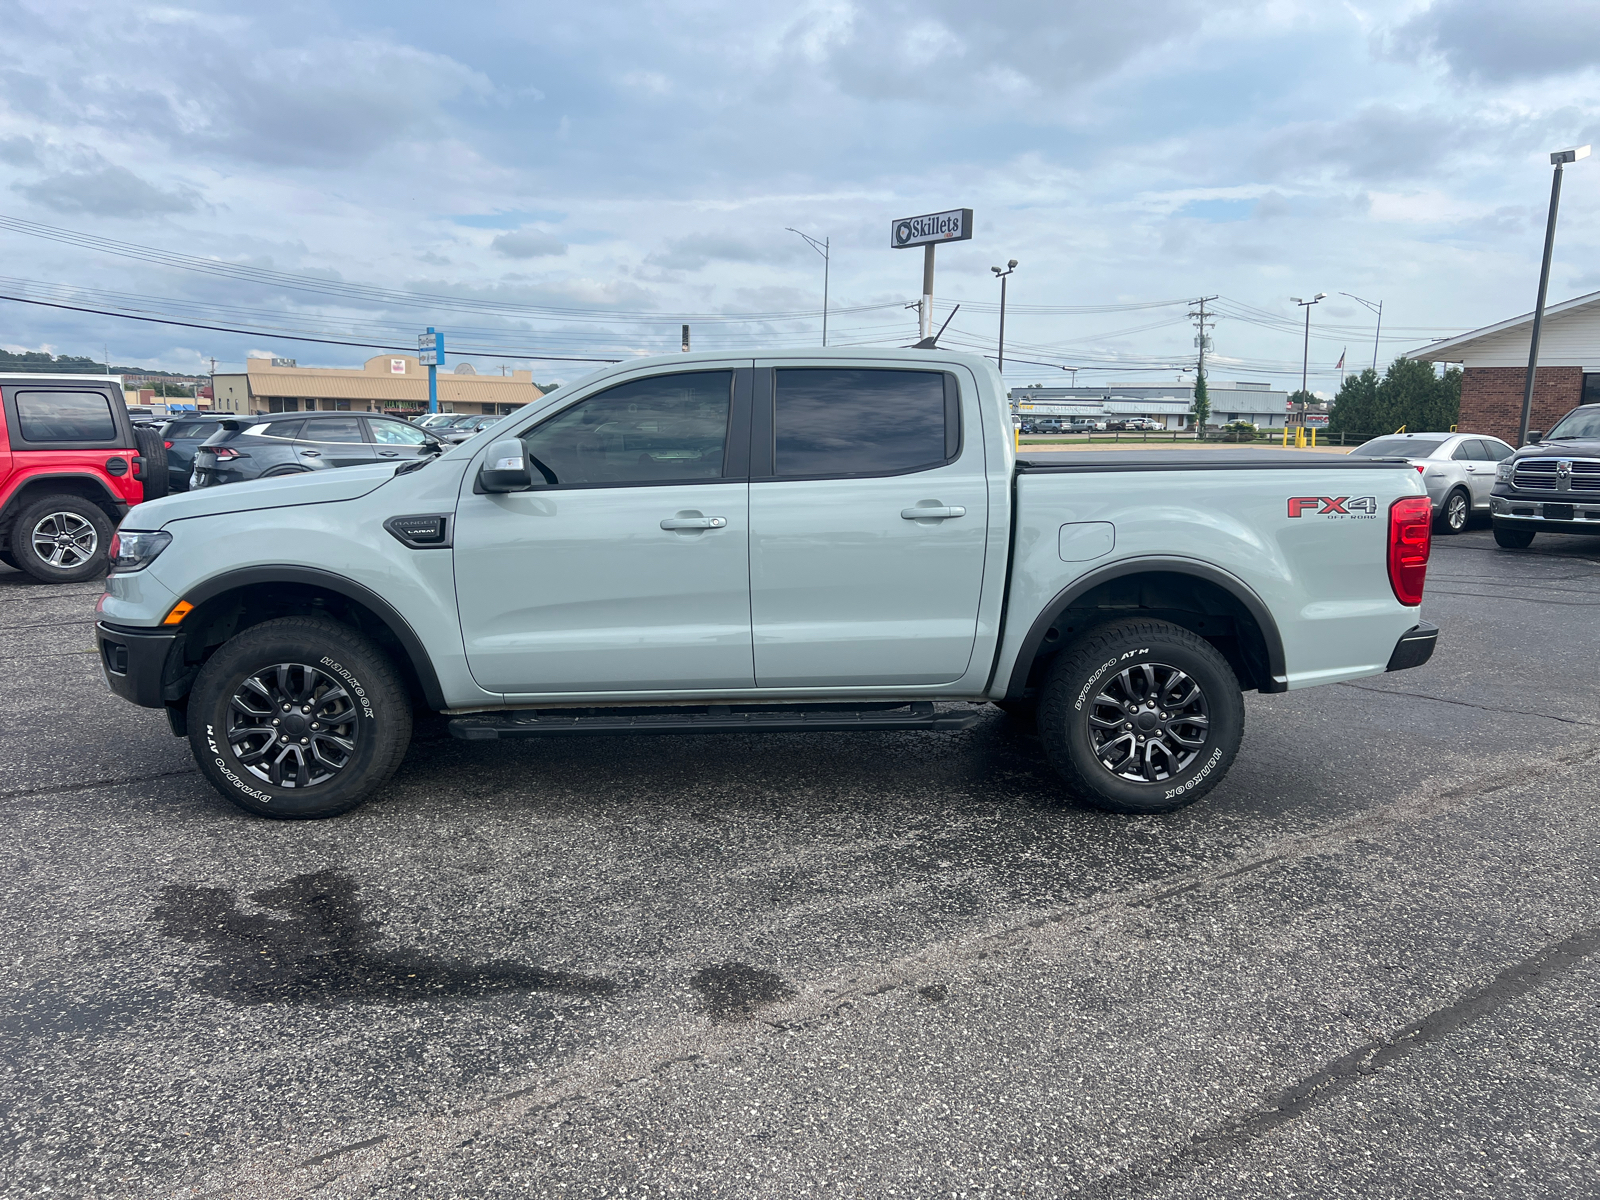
{"x": 952, "y": 226}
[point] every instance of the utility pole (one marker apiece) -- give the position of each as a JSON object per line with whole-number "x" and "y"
{"x": 1305, "y": 361}
{"x": 1203, "y": 323}
{"x": 1558, "y": 160}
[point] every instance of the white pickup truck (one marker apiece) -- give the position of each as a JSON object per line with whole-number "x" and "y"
{"x": 718, "y": 543}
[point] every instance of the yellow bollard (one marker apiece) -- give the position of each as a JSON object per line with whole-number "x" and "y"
{"x": 1285, "y": 437}
{"x": 1313, "y": 437}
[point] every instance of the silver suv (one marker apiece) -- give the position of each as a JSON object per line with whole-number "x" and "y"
{"x": 1458, "y": 469}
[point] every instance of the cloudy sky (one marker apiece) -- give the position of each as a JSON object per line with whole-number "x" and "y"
{"x": 569, "y": 179}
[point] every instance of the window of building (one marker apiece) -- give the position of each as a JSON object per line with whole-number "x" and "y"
{"x": 829, "y": 421}
{"x": 1591, "y": 388}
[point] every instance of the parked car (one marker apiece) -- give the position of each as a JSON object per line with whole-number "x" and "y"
{"x": 1081, "y": 425}
{"x": 470, "y": 427}
{"x": 274, "y": 444}
{"x": 182, "y": 436}
{"x": 439, "y": 420}
{"x": 1458, "y": 469}
{"x": 1552, "y": 484}
{"x": 687, "y": 544}
{"x": 71, "y": 464}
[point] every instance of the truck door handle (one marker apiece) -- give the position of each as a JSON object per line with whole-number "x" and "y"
{"x": 694, "y": 522}
{"x": 933, "y": 513}
{"x": 312, "y": 453}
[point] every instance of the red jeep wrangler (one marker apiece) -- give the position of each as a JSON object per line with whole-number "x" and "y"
{"x": 71, "y": 464}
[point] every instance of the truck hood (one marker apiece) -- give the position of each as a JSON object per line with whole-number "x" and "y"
{"x": 1572, "y": 448}
{"x": 286, "y": 491}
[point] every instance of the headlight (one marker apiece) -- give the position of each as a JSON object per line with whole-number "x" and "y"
{"x": 1503, "y": 470}
{"x": 134, "y": 550}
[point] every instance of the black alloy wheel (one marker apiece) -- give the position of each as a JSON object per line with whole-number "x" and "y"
{"x": 1149, "y": 723}
{"x": 1141, "y": 717}
{"x": 1455, "y": 514}
{"x": 298, "y": 717}
{"x": 293, "y": 725}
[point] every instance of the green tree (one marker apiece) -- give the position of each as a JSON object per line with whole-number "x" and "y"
{"x": 1355, "y": 406}
{"x": 1202, "y": 404}
{"x": 1413, "y": 395}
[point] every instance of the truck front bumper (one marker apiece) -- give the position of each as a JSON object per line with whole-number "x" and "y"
{"x": 134, "y": 661}
{"x": 1415, "y": 647}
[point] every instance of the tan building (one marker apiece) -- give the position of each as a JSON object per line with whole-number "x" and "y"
{"x": 390, "y": 383}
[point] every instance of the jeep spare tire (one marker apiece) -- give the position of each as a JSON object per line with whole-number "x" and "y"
{"x": 153, "y": 449}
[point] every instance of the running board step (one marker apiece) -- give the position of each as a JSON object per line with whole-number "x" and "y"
{"x": 712, "y": 718}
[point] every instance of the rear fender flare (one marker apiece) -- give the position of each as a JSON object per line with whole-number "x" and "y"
{"x": 1232, "y": 584}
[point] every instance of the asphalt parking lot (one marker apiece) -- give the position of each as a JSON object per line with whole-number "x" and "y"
{"x": 827, "y": 964}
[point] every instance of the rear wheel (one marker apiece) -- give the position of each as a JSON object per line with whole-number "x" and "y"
{"x": 1141, "y": 717}
{"x": 1454, "y": 513}
{"x": 1513, "y": 539}
{"x": 61, "y": 539}
{"x": 298, "y": 717}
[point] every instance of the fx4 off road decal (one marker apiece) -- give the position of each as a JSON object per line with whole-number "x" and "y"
{"x": 1360, "y": 508}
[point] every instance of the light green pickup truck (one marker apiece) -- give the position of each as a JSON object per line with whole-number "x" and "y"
{"x": 718, "y": 543}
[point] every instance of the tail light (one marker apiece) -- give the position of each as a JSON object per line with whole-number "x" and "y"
{"x": 1420, "y": 468}
{"x": 224, "y": 453}
{"x": 168, "y": 445}
{"x": 1410, "y": 539}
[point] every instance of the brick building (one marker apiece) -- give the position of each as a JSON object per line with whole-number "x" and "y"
{"x": 1494, "y": 363}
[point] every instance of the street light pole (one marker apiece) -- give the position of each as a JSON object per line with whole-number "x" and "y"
{"x": 823, "y": 248}
{"x": 1011, "y": 265}
{"x": 1371, "y": 307}
{"x": 1558, "y": 160}
{"x": 1305, "y": 361}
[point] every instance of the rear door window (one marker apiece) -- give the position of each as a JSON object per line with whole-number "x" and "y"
{"x": 850, "y": 421}
{"x": 63, "y": 416}
{"x": 338, "y": 429}
{"x": 1498, "y": 451}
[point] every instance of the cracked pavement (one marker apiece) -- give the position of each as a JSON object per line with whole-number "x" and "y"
{"x": 827, "y": 964}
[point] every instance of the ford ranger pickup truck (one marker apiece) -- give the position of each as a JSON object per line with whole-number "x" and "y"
{"x": 717, "y": 543}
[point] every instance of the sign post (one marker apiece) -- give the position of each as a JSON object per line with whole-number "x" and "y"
{"x": 430, "y": 349}
{"x": 927, "y": 231}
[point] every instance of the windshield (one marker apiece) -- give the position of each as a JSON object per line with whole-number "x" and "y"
{"x": 1398, "y": 447}
{"x": 1579, "y": 423}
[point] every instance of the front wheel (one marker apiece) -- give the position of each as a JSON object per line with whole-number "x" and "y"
{"x": 1513, "y": 539}
{"x": 298, "y": 717}
{"x": 61, "y": 539}
{"x": 1141, "y": 717}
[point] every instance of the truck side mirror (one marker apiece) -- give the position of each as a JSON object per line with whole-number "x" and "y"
{"x": 505, "y": 467}
{"x": 1533, "y": 436}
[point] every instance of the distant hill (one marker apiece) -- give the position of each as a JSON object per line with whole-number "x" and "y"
{"x": 70, "y": 364}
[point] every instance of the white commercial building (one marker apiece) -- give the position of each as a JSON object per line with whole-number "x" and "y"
{"x": 1170, "y": 403}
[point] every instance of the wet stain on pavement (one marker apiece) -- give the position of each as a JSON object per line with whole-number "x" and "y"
{"x": 322, "y": 949}
{"x": 732, "y": 991}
